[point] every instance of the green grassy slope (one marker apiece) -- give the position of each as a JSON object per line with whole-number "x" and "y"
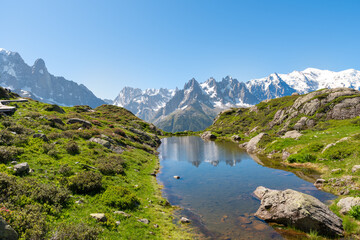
{"x": 72, "y": 177}
{"x": 312, "y": 150}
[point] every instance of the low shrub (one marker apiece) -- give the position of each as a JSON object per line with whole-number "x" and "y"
{"x": 48, "y": 147}
{"x": 355, "y": 212}
{"x": 79, "y": 231}
{"x": 315, "y": 147}
{"x": 65, "y": 170}
{"x": 301, "y": 158}
{"x": 9, "y": 153}
{"x": 86, "y": 183}
{"x": 349, "y": 224}
{"x": 72, "y": 148}
{"x": 120, "y": 132}
{"x": 7, "y": 186}
{"x": 19, "y": 129}
{"x": 54, "y": 108}
{"x": 264, "y": 141}
{"x": 111, "y": 165}
{"x": 340, "y": 151}
{"x": 50, "y": 194}
{"x": 29, "y": 222}
{"x": 6, "y": 137}
{"x": 53, "y": 153}
{"x": 120, "y": 197}
{"x": 54, "y": 135}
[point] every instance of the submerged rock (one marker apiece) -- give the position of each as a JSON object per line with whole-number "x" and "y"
{"x": 184, "y": 220}
{"x": 299, "y": 210}
{"x": 236, "y": 138}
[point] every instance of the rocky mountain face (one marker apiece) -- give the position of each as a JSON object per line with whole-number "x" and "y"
{"x": 288, "y": 115}
{"x": 198, "y": 103}
{"x": 143, "y": 104}
{"x": 36, "y": 82}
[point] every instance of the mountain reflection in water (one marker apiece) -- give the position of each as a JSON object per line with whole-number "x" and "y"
{"x": 197, "y": 151}
{"x": 219, "y": 200}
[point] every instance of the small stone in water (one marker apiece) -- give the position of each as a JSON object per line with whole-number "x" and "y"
{"x": 184, "y": 220}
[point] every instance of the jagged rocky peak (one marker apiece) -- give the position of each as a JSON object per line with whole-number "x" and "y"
{"x": 192, "y": 83}
{"x": 39, "y": 67}
{"x": 211, "y": 82}
{"x": 274, "y": 77}
{"x": 35, "y": 81}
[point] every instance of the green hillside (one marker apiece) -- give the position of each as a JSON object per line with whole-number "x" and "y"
{"x": 318, "y": 131}
{"x": 81, "y": 161}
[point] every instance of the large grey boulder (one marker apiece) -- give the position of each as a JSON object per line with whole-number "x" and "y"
{"x": 100, "y": 141}
{"x": 6, "y": 231}
{"x": 301, "y": 123}
{"x": 347, "y": 203}
{"x": 348, "y": 108}
{"x": 42, "y": 136}
{"x": 279, "y": 117}
{"x": 251, "y": 145}
{"x": 22, "y": 168}
{"x": 333, "y": 144}
{"x": 355, "y": 168}
{"x": 299, "y": 210}
{"x": 99, "y": 217}
{"x": 208, "y": 136}
{"x": 85, "y": 123}
{"x": 56, "y": 120}
{"x": 292, "y": 134}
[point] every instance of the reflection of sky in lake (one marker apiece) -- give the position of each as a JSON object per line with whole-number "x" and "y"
{"x": 222, "y": 196}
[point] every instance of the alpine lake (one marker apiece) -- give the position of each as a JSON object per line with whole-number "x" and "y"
{"x": 216, "y": 185}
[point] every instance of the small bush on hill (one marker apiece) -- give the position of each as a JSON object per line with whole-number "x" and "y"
{"x": 6, "y": 137}
{"x": 50, "y": 194}
{"x": 111, "y": 165}
{"x": 29, "y": 222}
{"x": 120, "y": 132}
{"x": 265, "y": 140}
{"x": 9, "y": 153}
{"x": 120, "y": 197}
{"x": 340, "y": 151}
{"x": 86, "y": 182}
{"x": 79, "y": 231}
{"x": 355, "y": 212}
{"x": 65, "y": 170}
{"x": 72, "y": 148}
{"x": 301, "y": 158}
{"x": 315, "y": 147}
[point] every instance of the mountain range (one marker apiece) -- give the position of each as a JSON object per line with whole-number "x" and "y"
{"x": 192, "y": 108}
{"x": 36, "y": 82}
{"x": 195, "y": 106}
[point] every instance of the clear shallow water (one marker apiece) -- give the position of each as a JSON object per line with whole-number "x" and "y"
{"x": 216, "y": 186}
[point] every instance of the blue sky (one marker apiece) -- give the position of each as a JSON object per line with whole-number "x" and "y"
{"x": 107, "y": 45}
